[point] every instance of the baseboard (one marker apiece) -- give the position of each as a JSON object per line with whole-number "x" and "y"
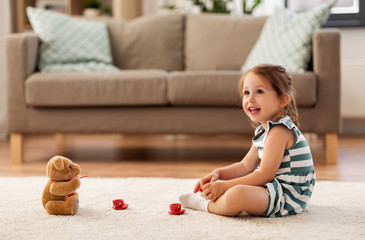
{"x": 353, "y": 126}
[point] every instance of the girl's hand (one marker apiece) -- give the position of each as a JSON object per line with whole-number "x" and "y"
{"x": 211, "y": 177}
{"x": 214, "y": 190}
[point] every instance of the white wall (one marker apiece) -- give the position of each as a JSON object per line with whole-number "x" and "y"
{"x": 353, "y": 72}
{"x": 4, "y": 29}
{"x": 153, "y": 6}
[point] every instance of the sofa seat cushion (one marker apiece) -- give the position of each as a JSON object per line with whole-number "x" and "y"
{"x": 220, "y": 88}
{"x": 123, "y": 88}
{"x": 204, "y": 88}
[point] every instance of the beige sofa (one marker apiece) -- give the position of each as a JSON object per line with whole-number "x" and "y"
{"x": 179, "y": 75}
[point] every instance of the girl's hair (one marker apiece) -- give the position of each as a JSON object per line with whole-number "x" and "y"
{"x": 281, "y": 82}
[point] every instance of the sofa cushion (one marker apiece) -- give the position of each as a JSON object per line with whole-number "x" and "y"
{"x": 70, "y": 44}
{"x": 220, "y": 88}
{"x": 150, "y": 42}
{"x": 204, "y": 88}
{"x": 123, "y": 88}
{"x": 220, "y": 42}
{"x": 286, "y": 38}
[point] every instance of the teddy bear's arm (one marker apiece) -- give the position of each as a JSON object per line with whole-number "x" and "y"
{"x": 64, "y": 188}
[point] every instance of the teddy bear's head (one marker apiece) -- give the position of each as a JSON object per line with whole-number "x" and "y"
{"x": 60, "y": 168}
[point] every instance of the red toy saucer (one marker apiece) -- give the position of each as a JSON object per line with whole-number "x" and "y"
{"x": 120, "y": 208}
{"x": 177, "y": 213}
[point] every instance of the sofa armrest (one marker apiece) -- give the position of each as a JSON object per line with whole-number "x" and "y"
{"x": 24, "y": 45}
{"x": 326, "y": 66}
{"x": 21, "y": 59}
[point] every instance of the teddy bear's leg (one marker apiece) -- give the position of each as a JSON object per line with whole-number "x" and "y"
{"x": 68, "y": 207}
{"x": 73, "y": 203}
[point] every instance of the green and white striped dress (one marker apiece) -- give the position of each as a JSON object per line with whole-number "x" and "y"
{"x": 292, "y": 187}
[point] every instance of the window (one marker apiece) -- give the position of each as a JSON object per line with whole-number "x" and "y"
{"x": 344, "y": 13}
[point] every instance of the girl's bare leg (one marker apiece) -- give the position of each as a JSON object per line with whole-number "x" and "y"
{"x": 241, "y": 198}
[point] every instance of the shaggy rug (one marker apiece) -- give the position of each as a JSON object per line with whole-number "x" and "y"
{"x": 336, "y": 211}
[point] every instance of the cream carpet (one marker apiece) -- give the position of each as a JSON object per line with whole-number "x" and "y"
{"x": 336, "y": 211}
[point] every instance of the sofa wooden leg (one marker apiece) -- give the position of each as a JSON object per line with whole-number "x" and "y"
{"x": 331, "y": 142}
{"x": 16, "y": 148}
{"x": 60, "y": 143}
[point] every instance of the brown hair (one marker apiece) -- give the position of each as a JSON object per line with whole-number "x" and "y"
{"x": 281, "y": 82}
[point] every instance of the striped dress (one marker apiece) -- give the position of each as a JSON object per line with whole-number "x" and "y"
{"x": 292, "y": 187}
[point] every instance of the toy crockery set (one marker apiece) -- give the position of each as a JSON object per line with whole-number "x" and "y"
{"x": 59, "y": 195}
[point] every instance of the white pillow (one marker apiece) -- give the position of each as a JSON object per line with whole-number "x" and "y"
{"x": 70, "y": 44}
{"x": 286, "y": 38}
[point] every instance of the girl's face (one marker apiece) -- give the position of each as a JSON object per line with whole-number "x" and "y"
{"x": 260, "y": 101}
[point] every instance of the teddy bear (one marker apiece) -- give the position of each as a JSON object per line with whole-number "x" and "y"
{"x": 59, "y": 195}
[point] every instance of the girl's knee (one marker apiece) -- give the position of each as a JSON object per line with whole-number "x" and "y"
{"x": 236, "y": 194}
{"x": 241, "y": 195}
{"x": 230, "y": 204}
{"x": 238, "y": 190}
{"x": 250, "y": 199}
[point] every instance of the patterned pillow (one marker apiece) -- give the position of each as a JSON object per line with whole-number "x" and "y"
{"x": 286, "y": 38}
{"x": 69, "y": 44}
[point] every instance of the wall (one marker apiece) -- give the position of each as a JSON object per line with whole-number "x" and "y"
{"x": 353, "y": 73}
{"x": 154, "y": 6}
{"x": 4, "y": 30}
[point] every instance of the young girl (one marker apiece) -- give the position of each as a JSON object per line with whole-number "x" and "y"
{"x": 276, "y": 177}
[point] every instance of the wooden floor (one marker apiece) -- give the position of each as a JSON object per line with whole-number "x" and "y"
{"x": 167, "y": 155}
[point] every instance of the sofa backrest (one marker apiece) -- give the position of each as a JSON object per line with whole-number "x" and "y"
{"x": 175, "y": 42}
{"x": 219, "y": 42}
{"x": 151, "y": 42}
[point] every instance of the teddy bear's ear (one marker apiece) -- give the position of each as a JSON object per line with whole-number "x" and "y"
{"x": 58, "y": 163}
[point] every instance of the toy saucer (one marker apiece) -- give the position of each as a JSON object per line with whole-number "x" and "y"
{"x": 121, "y": 208}
{"x": 178, "y": 213}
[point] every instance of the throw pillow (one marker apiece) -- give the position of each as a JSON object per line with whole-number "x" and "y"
{"x": 214, "y": 41}
{"x": 70, "y": 44}
{"x": 286, "y": 38}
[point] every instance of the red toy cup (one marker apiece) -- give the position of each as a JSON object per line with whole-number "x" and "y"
{"x": 175, "y": 207}
{"x": 118, "y": 203}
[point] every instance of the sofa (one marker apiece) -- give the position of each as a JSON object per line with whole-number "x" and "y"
{"x": 178, "y": 74}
